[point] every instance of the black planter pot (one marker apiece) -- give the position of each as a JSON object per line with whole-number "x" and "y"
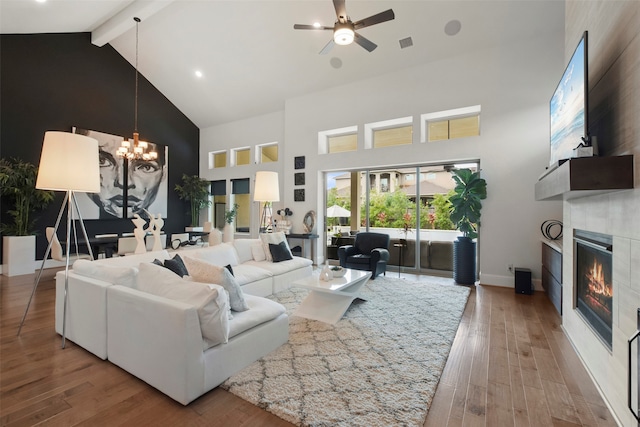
{"x": 464, "y": 261}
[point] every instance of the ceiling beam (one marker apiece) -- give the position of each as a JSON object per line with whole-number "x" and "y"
{"x": 123, "y": 20}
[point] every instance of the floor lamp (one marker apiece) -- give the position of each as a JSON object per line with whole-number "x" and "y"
{"x": 266, "y": 190}
{"x": 69, "y": 162}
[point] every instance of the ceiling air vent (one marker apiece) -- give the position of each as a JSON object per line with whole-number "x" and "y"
{"x": 406, "y": 43}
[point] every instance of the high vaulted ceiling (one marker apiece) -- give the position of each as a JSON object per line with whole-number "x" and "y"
{"x": 252, "y": 59}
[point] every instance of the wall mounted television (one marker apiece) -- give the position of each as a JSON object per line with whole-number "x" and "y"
{"x": 568, "y": 108}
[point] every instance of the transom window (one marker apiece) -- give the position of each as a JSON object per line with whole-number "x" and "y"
{"x": 217, "y": 159}
{"x": 242, "y": 156}
{"x": 450, "y": 124}
{"x": 267, "y": 153}
{"x": 389, "y": 133}
{"x": 338, "y": 140}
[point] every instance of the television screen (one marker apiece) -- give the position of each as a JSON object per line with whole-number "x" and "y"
{"x": 568, "y": 107}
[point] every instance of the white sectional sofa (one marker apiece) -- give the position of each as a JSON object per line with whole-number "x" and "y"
{"x": 160, "y": 340}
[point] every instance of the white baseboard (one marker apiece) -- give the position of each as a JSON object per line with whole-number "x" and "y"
{"x": 506, "y": 281}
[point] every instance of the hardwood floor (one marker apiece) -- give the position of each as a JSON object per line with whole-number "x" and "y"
{"x": 510, "y": 365}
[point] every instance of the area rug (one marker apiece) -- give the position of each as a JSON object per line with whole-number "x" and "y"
{"x": 378, "y": 366}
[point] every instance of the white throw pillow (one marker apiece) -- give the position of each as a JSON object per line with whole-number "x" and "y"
{"x": 221, "y": 255}
{"x": 273, "y": 238}
{"x": 125, "y": 276}
{"x": 211, "y": 301}
{"x": 204, "y": 272}
{"x": 258, "y": 252}
{"x": 243, "y": 248}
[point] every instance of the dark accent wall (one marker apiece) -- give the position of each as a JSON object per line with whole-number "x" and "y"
{"x": 56, "y": 81}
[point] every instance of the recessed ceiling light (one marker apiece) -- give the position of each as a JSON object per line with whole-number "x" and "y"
{"x": 199, "y": 74}
{"x": 41, "y": 1}
{"x": 317, "y": 25}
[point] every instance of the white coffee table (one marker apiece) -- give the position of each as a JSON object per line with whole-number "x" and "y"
{"x": 328, "y": 301}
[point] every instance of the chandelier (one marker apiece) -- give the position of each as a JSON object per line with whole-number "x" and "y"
{"x": 138, "y": 150}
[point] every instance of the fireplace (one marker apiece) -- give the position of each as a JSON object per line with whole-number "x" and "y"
{"x": 594, "y": 286}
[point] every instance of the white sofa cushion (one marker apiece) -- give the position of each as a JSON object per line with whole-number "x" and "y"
{"x": 277, "y": 268}
{"x": 247, "y": 273}
{"x": 221, "y": 255}
{"x": 134, "y": 259}
{"x": 262, "y": 310}
{"x": 243, "y": 248}
{"x": 210, "y": 300}
{"x": 273, "y": 238}
{"x": 125, "y": 276}
{"x": 204, "y": 272}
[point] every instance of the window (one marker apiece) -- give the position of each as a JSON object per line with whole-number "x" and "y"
{"x": 217, "y": 159}
{"x": 392, "y": 137}
{"x": 241, "y": 156}
{"x": 240, "y": 196}
{"x": 342, "y": 143}
{"x": 338, "y": 140}
{"x": 389, "y": 133}
{"x": 451, "y": 124}
{"x": 267, "y": 153}
{"x": 219, "y": 193}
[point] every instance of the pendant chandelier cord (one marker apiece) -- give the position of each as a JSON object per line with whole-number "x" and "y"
{"x": 135, "y": 119}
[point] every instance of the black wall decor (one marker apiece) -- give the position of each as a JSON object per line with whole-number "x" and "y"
{"x": 298, "y": 162}
{"x": 299, "y": 178}
{"x": 298, "y": 195}
{"x": 57, "y": 81}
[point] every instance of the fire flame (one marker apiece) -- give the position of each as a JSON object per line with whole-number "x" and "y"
{"x": 597, "y": 284}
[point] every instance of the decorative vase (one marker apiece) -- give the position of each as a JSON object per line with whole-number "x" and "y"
{"x": 326, "y": 274}
{"x": 227, "y": 233}
{"x": 464, "y": 261}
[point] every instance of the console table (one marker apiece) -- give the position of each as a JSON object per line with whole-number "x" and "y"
{"x": 305, "y": 238}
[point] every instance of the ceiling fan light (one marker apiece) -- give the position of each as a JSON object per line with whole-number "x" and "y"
{"x": 343, "y": 36}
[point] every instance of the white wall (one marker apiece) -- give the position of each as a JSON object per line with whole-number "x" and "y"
{"x": 513, "y": 85}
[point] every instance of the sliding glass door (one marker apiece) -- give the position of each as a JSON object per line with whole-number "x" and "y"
{"x": 410, "y": 204}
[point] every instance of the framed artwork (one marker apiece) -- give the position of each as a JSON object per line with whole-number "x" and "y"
{"x": 299, "y": 178}
{"x": 298, "y": 162}
{"x": 298, "y": 195}
{"x": 127, "y": 187}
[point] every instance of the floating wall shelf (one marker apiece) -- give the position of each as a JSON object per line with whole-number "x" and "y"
{"x": 586, "y": 176}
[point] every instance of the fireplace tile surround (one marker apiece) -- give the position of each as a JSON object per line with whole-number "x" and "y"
{"x": 616, "y": 214}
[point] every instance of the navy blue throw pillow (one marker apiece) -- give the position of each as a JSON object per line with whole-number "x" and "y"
{"x": 228, "y": 267}
{"x": 177, "y": 266}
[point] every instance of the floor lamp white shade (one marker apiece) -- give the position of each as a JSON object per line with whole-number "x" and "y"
{"x": 69, "y": 162}
{"x": 267, "y": 188}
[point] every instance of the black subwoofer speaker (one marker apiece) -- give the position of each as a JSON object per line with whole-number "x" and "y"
{"x": 523, "y": 281}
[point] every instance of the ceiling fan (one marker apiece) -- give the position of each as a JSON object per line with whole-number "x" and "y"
{"x": 344, "y": 30}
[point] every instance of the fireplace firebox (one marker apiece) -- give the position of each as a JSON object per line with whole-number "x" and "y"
{"x": 593, "y": 281}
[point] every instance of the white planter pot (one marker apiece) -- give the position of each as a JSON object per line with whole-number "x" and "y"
{"x": 227, "y": 233}
{"x": 18, "y": 255}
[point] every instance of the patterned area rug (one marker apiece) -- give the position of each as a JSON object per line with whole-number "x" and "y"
{"x": 378, "y": 366}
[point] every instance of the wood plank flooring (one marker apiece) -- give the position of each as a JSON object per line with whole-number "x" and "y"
{"x": 510, "y": 365}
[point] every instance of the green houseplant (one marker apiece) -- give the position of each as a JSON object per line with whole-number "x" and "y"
{"x": 195, "y": 190}
{"x": 18, "y": 188}
{"x": 466, "y": 208}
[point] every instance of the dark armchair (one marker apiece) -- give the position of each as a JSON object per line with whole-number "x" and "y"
{"x": 370, "y": 252}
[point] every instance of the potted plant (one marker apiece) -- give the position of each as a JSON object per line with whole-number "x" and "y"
{"x": 195, "y": 190}
{"x": 229, "y": 216}
{"x": 18, "y": 187}
{"x": 465, "y": 214}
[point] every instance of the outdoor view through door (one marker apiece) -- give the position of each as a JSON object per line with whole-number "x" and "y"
{"x": 410, "y": 204}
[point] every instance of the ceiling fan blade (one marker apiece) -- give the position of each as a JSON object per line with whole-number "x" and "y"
{"x": 364, "y": 42}
{"x": 385, "y": 16}
{"x": 310, "y": 27}
{"x": 327, "y": 48}
{"x": 341, "y": 10}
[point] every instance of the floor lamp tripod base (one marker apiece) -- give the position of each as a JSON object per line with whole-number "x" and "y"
{"x": 69, "y": 203}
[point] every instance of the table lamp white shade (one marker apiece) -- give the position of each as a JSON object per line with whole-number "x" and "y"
{"x": 69, "y": 161}
{"x": 267, "y": 188}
